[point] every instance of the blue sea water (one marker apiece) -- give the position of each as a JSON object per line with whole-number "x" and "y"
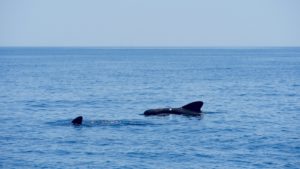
{"x": 251, "y": 107}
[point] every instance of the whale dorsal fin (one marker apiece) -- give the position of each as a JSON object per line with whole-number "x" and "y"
{"x": 194, "y": 106}
{"x": 77, "y": 120}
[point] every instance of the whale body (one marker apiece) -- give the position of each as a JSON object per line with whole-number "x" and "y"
{"x": 191, "y": 109}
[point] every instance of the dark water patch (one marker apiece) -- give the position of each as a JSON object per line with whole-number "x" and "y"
{"x": 291, "y": 94}
{"x": 296, "y": 85}
{"x": 203, "y": 155}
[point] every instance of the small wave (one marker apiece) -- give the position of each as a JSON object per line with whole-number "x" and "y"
{"x": 60, "y": 123}
{"x": 116, "y": 123}
{"x": 213, "y": 112}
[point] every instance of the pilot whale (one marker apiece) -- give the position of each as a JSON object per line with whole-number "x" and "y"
{"x": 191, "y": 109}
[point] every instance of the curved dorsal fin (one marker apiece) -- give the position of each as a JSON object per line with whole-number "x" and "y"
{"x": 77, "y": 120}
{"x": 194, "y": 106}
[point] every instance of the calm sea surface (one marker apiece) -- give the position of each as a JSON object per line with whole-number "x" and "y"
{"x": 251, "y": 108}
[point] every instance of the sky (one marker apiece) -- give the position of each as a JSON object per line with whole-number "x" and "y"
{"x": 149, "y": 23}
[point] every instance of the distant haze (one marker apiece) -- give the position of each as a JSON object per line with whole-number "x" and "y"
{"x": 134, "y": 23}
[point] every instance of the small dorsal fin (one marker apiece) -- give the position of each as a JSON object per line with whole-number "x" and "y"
{"x": 77, "y": 120}
{"x": 194, "y": 106}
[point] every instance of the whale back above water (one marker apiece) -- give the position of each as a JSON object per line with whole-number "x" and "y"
{"x": 191, "y": 109}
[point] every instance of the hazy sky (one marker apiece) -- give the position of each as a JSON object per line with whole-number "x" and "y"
{"x": 149, "y": 22}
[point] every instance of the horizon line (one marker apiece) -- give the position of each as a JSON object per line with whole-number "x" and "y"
{"x": 157, "y": 47}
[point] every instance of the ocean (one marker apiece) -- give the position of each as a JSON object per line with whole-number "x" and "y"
{"x": 250, "y": 119}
